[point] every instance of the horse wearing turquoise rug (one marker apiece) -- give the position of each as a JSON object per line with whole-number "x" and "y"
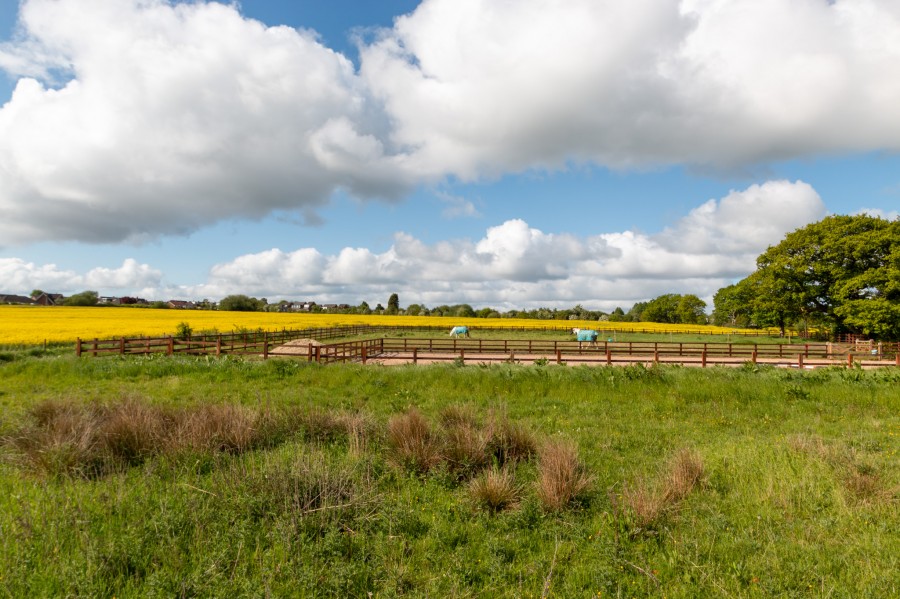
{"x": 586, "y": 335}
{"x": 459, "y": 332}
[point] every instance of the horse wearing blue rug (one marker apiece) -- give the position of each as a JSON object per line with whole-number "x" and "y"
{"x": 585, "y": 335}
{"x": 459, "y": 332}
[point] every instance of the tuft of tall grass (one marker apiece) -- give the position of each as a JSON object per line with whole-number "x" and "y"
{"x": 413, "y": 444}
{"x": 362, "y": 430}
{"x": 466, "y": 448}
{"x": 638, "y": 507}
{"x": 510, "y": 441}
{"x": 131, "y": 431}
{"x": 562, "y": 478}
{"x": 68, "y": 438}
{"x": 641, "y": 505}
{"x": 63, "y": 440}
{"x": 459, "y": 415}
{"x": 229, "y": 428}
{"x": 684, "y": 471}
{"x": 495, "y": 489}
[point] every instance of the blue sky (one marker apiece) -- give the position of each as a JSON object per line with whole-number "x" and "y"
{"x": 511, "y": 154}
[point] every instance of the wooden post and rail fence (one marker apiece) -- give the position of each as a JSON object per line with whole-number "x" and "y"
{"x": 268, "y": 344}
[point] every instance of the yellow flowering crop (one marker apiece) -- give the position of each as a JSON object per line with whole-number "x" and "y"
{"x": 32, "y": 325}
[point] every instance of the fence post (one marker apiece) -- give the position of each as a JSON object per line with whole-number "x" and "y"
{"x": 364, "y": 356}
{"x": 558, "y": 356}
{"x": 849, "y": 359}
{"x": 170, "y": 348}
{"x": 122, "y": 346}
{"x": 800, "y": 361}
{"x": 309, "y": 351}
{"x": 94, "y": 352}
{"x": 753, "y": 358}
{"x": 703, "y": 356}
{"x": 656, "y": 356}
{"x": 78, "y": 348}
{"x": 608, "y": 356}
{"x": 897, "y": 356}
{"x": 415, "y": 355}
{"x": 265, "y": 346}
{"x": 218, "y": 345}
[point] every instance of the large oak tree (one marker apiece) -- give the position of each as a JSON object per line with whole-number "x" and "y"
{"x": 842, "y": 273}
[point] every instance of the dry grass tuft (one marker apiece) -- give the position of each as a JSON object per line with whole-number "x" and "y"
{"x": 495, "y": 489}
{"x": 63, "y": 440}
{"x": 219, "y": 427}
{"x": 361, "y": 430}
{"x": 459, "y": 415}
{"x": 684, "y": 472}
{"x": 638, "y": 506}
{"x": 510, "y": 441}
{"x": 466, "y": 448}
{"x": 132, "y": 431}
{"x": 562, "y": 477}
{"x": 641, "y": 505}
{"x": 414, "y": 446}
{"x": 319, "y": 425}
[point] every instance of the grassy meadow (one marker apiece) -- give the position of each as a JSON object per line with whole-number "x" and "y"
{"x": 170, "y": 476}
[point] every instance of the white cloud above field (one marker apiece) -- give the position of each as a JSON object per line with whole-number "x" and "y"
{"x": 139, "y": 118}
{"x": 20, "y": 275}
{"x": 513, "y": 265}
{"x": 516, "y": 265}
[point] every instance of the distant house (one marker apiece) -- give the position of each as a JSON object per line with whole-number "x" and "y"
{"x": 15, "y": 299}
{"x": 109, "y": 301}
{"x": 49, "y": 299}
{"x": 181, "y": 305}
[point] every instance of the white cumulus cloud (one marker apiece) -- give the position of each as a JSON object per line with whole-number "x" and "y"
{"x": 173, "y": 116}
{"x": 138, "y": 118}
{"x": 516, "y": 265}
{"x": 24, "y": 276}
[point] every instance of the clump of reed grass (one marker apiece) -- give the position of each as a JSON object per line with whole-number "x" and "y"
{"x": 69, "y": 438}
{"x": 459, "y": 415}
{"x": 510, "y": 441}
{"x": 228, "y": 428}
{"x": 413, "y": 444}
{"x": 361, "y": 429}
{"x": 62, "y": 440}
{"x": 132, "y": 431}
{"x": 562, "y": 478}
{"x": 641, "y": 505}
{"x": 465, "y": 440}
{"x": 684, "y": 472}
{"x": 495, "y": 489}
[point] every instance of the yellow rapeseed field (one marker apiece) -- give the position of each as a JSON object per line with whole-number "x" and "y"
{"x": 33, "y": 325}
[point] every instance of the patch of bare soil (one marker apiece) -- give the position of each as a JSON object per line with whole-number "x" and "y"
{"x": 297, "y": 347}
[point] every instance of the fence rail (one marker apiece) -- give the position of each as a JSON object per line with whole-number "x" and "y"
{"x": 273, "y": 343}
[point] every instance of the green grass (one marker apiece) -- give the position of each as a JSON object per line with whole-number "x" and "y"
{"x": 747, "y": 482}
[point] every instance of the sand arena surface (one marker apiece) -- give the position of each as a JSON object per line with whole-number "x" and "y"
{"x": 297, "y": 347}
